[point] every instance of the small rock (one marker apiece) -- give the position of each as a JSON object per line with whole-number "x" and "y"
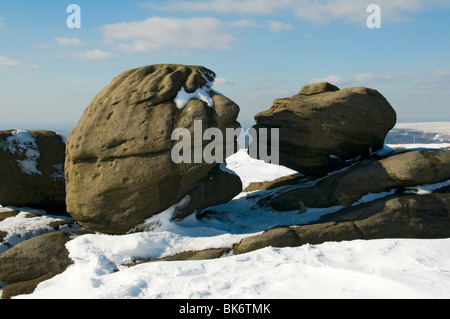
{"x": 28, "y": 263}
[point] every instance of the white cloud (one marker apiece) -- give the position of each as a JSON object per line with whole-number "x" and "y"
{"x": 433, "y": 87}
{"x": 176, "y": 53}
{"x": 371, "y": 78}
{"x": 283, "y": 93}
{"x": 7, "y": 64}
{"x": 278, "y": 26}
{"x": 41, "y": 46}
{"x": 313, "y": 11}
{"x": 93, "y": 55}
{"x": 438, "y": 74}
{"x": 224, "y": 6}
{"x": 243, "y": 23}
{"x": 223, "y": 81}
{"x": 156, "y": 34}
{"x": 68, "y": 41}
{"x": 2, "y": 23}
{"x": 265, "y": 80}
{"x": 376, "y": 78}
{"x": 333, "y": 79}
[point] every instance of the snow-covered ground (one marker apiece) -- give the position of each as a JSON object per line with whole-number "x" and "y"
{"x": 387, "y": 268}
{"x": 427, "y": 127}
{"x": 428, "y": 132}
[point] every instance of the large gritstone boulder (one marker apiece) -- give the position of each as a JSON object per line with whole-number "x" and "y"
{"x": 322, "y": 127}
{"x": 120, "y": 169}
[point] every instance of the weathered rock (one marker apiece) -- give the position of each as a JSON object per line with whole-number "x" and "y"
{"x": 26, "y": 264}
{"x": 216, "y": 188}
{"x": 7, "y": 214}
{"x": 197, "y": 255}
{"x": 281, "y": 181}
{"x": 3, "y": 235}
{"x": 374, "y": 175}
{"x": 278, "y": 237}
{"x": 318, "y": 88}
{"x": 398, "y": 216}
{"x": 32, "y": 170}
{"x": 409, "y": 216}
{"x": 322, "y": 127}
{"x": 119, "y": 170}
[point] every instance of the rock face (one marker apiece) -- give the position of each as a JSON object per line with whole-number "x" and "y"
{"x": 403, "y": 212}
{"x": 27, "y": 264}
{"x": 374, "y": 175}
{"x": 321, "y": 127}
{"x": 32, "y": 170}
{"x": 119, "y": 168}
{"x": 411, "y": 216}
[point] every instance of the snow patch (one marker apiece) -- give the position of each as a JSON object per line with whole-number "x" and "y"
{"x": 163, "y": 219}
{"x": 202, "y": 93}
{"x": 370, "y": 197}
{"x": 24, "y": 144}
{"x": 253, "y": 170}
{"x": 22, "y": 227}
{"x": 428, "y": 188}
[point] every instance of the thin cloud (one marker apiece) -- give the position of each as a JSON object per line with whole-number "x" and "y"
{"x": 2, "y": 23}
{"x": 68, "y": 41}
{"x": 94, "y": 55}
{"x": 8, "y": 64}
{"x": 319, "y": 12}
{"x": 223, "y": 81}
{"x": 157, "y": 34}
{"x": 376, "y": 78}
{"x": 438, "y": 74}
{"x": 333, "y": 79}
{"x": 433, "y": 87}
{"x": 372, "y": 78}
{"x": 278, "y": 26}
{"x": 265, "y": 80}
{"x": 361, "y": 79}
{"x": 264, "y": 7}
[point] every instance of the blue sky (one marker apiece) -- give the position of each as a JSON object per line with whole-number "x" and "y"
{"x": 259, "y": 49}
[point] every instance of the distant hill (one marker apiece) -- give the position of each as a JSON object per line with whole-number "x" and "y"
{"x": 419, "y": 133}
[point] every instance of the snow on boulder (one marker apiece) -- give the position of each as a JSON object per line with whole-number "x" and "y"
{"x": 32, "y": 170}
